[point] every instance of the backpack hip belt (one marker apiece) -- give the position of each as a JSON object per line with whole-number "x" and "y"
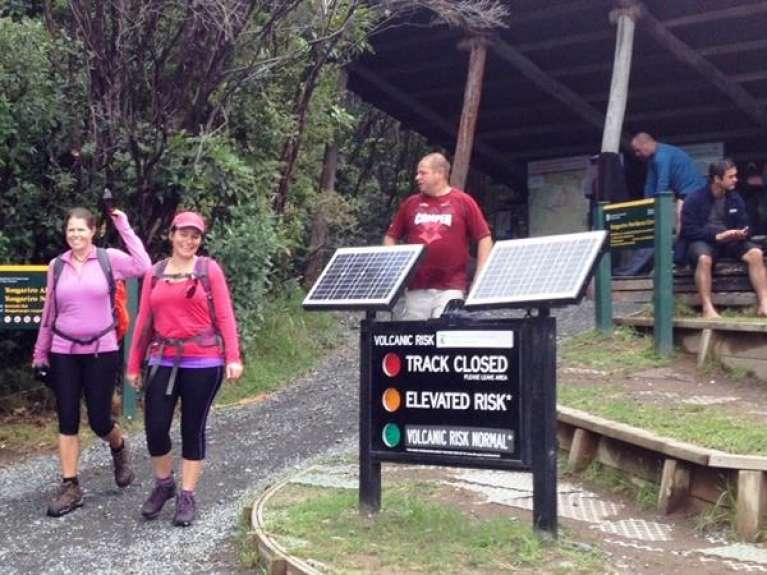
{"x": 96, "y": 338}
{"x": 206, "y": 339}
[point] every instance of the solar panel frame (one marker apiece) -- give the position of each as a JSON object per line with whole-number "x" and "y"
{"x": 344, "y": 274}
{"x": 594, "y": 242}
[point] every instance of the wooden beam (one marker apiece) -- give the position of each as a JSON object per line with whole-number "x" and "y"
{"x": 625, "y": 20}
{"x": 686, "y": 54}
{"x": 472, "y": 97}
{"x": 572, "y": 7}
{"x": 589, "y": 149}
{"x": 736, "y": 48}
{"x": 564, "y": 41}
{"x": 757, "y": 76}
{"x": 539, "y": 129}
{"x": 548, "y": 84}
{"x": 501, "y": 161}
{"x": 415, "y": 39}
{"x": 717, "y": 15}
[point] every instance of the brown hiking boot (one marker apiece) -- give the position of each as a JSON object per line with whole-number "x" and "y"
{"x": 123, "y": 473}
{"x": 68, "y": 498}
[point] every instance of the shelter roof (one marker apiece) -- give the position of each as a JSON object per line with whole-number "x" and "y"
{"x": 699, "y": 74}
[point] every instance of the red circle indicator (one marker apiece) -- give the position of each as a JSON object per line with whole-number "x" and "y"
{"x": 391, "y": 400}
{"x": 391, "y": 364}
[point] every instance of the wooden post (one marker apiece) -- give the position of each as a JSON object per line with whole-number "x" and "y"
{"x": 582, "y": 450}
{"x": 472, "y": 96}
{"x": 750, "y": 505}
{"x": 674, "y": 485}
{"x": 625, "y": 18}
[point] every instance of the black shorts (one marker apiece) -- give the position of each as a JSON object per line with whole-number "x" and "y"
{"x": 734, "y": 250}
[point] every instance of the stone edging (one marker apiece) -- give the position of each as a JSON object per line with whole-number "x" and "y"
{"x": 274, "y": 558}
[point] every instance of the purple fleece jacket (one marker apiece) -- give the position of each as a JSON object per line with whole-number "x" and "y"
{"x": 82, "y": 299}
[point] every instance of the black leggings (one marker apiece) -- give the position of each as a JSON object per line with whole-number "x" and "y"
{"x": 75, "y": 375}
{"x": 196, "y": 387}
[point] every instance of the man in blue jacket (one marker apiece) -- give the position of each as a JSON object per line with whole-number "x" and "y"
{"x": 715, "y": 225}
{"x": 668, "y": 169}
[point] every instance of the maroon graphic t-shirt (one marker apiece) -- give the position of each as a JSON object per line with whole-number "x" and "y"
{"x": 445, "y": 225}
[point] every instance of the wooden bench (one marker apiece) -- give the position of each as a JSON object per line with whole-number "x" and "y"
{"x": 730, "y": 286}
{"x": 685, "y": 471}
{"x": 736, "y": 344}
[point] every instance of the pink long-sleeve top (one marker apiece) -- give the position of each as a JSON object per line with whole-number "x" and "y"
{"x": 167, "y": 311}
{"x": 82, "y": 306}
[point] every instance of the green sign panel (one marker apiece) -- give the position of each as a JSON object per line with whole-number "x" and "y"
{"x": 22, "y": 295}
{"x": 631, "y": 224}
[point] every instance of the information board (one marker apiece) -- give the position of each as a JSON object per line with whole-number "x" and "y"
{"x": 22, "y": 295}
{"x": 631, "y": 224}
{"x": 446, "y": 391}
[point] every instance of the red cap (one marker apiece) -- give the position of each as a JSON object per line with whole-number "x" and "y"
{"x": 189, "y": 220}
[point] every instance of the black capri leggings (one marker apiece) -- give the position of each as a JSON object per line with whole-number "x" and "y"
{"x": 75, "y": 375}
{"x": 196, "y": 387}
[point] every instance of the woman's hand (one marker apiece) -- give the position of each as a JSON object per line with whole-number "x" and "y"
{"x": 233, "y": 370}
{"x": 134, "y": 380}
{"x": 117, "y": 215}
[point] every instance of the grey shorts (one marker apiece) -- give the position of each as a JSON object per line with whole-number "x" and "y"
{"x": 734, "y": 250}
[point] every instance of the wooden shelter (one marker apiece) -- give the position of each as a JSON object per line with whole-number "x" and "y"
{"x": 575, "y": 77}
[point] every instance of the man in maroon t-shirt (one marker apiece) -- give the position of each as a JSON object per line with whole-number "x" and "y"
{"x": 445, "y": 220}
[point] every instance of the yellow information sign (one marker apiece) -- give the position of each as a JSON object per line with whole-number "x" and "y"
{"x": 22, "y": 296}
{"x": 631, "y": 224}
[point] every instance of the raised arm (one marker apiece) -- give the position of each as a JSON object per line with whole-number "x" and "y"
{"x": 136, "y": 262}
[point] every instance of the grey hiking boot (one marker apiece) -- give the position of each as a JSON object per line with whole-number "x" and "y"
{"x": 123, "y": 473}
{"x": 185, "y": 509}
{"x": 68, "y": 498}
{"x": 156, "y": 500}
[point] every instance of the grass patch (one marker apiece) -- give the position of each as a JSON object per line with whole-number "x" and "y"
{"x": 623, "y": 350}
{"x": 290, "y": 342}
{"x": 706, "y": 426}
{"x": 413, "y": 533}
{"x": 644, "y": 493}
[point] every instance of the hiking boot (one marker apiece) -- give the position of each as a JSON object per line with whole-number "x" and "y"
{"x": 123, "y": 473}
{"x": 68, "y": 498}
{"x": 156, "y": 500}
{"x": 185, "y": 509}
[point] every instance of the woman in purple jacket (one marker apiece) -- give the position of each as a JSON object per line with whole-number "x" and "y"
{"x": 78, "y": 343}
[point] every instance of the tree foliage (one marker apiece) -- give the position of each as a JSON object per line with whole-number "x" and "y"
{"x": 224, "y": 106}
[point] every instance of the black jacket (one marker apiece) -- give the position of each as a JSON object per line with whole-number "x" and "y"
{"x": 695, "y": 212}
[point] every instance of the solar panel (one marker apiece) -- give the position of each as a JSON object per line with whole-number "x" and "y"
{"x": 364, "y": 278}
{"x": 550, "y": 270}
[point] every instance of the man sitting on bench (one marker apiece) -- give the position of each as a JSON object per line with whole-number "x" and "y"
{"x": 715, "y": 225}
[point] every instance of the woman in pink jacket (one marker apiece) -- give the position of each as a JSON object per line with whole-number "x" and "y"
{"x": 78, "y": 344}
{"x": 187, "y": 330}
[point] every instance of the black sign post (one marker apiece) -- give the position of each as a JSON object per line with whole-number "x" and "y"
{"x": 460, "y": 392}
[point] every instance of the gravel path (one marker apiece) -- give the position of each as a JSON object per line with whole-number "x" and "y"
{"x": 249, "y": 447}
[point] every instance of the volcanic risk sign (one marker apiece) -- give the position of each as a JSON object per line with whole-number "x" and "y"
{"x": 445, "y": 391}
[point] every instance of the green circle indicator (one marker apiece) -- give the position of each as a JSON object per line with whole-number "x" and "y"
{"x": 391, "y": 435}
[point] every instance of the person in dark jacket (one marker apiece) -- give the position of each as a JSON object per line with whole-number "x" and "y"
{"x": 715, "y": 225}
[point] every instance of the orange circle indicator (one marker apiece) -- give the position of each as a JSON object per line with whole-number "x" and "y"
{"x": 391, "y": 400}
